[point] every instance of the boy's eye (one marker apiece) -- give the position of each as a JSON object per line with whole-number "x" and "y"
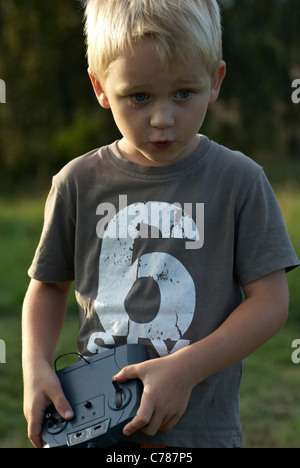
{"x": 183, "y": 94}
{"x": 139, "y": 97}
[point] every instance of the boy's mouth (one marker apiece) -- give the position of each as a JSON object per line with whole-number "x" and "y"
{"x": 162, "y": 145}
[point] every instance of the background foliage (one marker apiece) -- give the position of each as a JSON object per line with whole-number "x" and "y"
{"x": 52, "y": 116}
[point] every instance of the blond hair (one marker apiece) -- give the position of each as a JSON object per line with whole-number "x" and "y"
{"x": 179, "y": 30}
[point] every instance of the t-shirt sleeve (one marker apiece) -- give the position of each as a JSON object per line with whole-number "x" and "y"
{"x": 54, "y": 257}
{"x": 262, "y": 243}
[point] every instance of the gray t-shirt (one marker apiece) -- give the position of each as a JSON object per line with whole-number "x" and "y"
{"x": 159, "y": 256}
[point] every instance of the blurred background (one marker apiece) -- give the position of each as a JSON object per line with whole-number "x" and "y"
{"x": 51, "y": 116}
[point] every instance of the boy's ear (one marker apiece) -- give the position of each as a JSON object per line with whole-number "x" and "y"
{"x": 217, "y": 82}
{"x": 99, "y": 91}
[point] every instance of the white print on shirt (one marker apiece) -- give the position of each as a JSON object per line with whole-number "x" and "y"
{"x": 118, "y": 273}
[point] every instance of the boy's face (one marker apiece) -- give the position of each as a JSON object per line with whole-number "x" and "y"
{"x": 158, "y": 110}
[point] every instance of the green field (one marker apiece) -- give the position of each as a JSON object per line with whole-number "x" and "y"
{"x": 270, "y": 397}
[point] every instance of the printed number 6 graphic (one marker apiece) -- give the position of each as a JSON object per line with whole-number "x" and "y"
{"x": 118, "y": 273}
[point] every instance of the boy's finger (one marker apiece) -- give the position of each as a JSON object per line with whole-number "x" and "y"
{"x": 142, "y": 418}
{"x": 34, "y": 432}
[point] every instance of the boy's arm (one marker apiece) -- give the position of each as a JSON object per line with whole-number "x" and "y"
{"x": 43, "y": 316}
{"x": 168, "y": 381}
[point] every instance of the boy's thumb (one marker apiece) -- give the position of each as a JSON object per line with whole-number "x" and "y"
{"x": 63, "y": 407}
{"x": 128, "y": 372}
{"x": 61, "y": 404}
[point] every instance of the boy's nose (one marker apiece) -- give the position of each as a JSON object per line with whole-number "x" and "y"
{"x": 162, "y": 116}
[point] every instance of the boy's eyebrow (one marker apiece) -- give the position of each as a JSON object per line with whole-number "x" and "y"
{"x": 193, "y": 81}
{"x": 129, "y": 88}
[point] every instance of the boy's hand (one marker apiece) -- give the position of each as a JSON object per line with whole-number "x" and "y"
{"x": 44, "y": 389}
{"x": 165, "y": 396}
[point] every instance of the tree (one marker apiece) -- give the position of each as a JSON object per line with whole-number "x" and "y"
{"x": 261, "y": 47}
{"x": 51, "y": 114}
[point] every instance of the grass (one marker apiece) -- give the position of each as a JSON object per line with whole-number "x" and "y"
{"x": 270, "y": 406}
{"x": 269, "y": 396}
{"x": 20, "y": 227}
{"x": 289, "y": 200}
{"x": 20, "y": 223}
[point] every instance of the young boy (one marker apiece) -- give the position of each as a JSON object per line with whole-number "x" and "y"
{"x": 161, "y": 231}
